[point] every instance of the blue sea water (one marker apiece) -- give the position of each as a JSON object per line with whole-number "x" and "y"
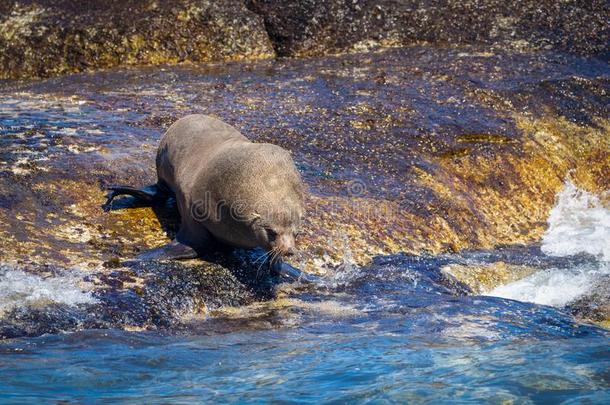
{"x": 387, "y": 333}
{"x": 373, "y": 362}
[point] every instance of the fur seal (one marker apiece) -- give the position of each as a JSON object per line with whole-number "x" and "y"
{"x": 227, "y": 188}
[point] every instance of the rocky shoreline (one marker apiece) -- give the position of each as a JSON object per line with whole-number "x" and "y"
{"x": 430, "y": 140}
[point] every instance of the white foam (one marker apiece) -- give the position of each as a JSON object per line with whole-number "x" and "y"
{"x": 556, "y": 287}
{"x": 18, "y": 288}
{"x": 578, "y": 223}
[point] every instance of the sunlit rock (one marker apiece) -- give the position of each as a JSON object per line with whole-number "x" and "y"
{"x": 485, "y": 277}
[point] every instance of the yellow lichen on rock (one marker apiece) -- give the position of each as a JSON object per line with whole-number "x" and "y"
{"x": 81, "y": 232}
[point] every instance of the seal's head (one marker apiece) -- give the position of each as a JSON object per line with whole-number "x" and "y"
{"x": 264, "y": 191}
{"x": 279, "y": 208}
{"x": 277, "y": 231}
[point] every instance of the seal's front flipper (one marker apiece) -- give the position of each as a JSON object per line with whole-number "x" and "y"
{"x": 172, "y": 251}
{"x": 290, "y": 274}
{"x": 151, "y": 194}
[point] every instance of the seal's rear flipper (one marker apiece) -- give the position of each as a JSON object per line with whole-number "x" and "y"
{"x": 151, "y": 194}
{"x": 172, "y": 251}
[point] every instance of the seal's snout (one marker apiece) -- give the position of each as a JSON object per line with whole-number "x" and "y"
{"x": 291, "y": 251}
{"x": 285, "y": 245}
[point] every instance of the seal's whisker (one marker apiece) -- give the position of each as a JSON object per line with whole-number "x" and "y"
{"x": 276, "y": 254}
{"x": 263, "y": 259}
{"x": 261, "y": 262}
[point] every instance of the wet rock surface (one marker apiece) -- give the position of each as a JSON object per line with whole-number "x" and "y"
{"x": 483, "y": 278}
{"x": 205, "y": 298}
{"x": 141, "y": 295}
{"x": 594, "y": 306}
{"x": 419, "y": 150}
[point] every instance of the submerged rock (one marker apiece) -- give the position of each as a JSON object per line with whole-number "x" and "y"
{"x": 595, "y": 306}
{"x": 481, "y": 278}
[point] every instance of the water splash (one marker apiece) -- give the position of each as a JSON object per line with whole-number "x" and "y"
{"x": 579, "y": 223}
{"x": 556, "y": 287}
{"x": 18, "y": 288}
{"x": 347, "y": 271}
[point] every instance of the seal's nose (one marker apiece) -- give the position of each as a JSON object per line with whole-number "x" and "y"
{"x": 291, "y": 251}
{"x": 285, "y": 245}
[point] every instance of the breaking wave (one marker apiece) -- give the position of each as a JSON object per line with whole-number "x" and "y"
{"x": 19, "y": 288}
{"x": 578, "y": 223}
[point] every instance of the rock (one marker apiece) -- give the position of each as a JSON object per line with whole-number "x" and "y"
{"x": 41, "y": 38}
{"x": 316, "y": 27}
{"x": 482, "y": 278}
{"x": 420, "y": 150}
{"x": 594, "y": 306}
{"x": 454, "y": 149}
{"x": 139, "y": 296}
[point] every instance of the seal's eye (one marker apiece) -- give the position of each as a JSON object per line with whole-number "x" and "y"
{"x": 271, "y": 234}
